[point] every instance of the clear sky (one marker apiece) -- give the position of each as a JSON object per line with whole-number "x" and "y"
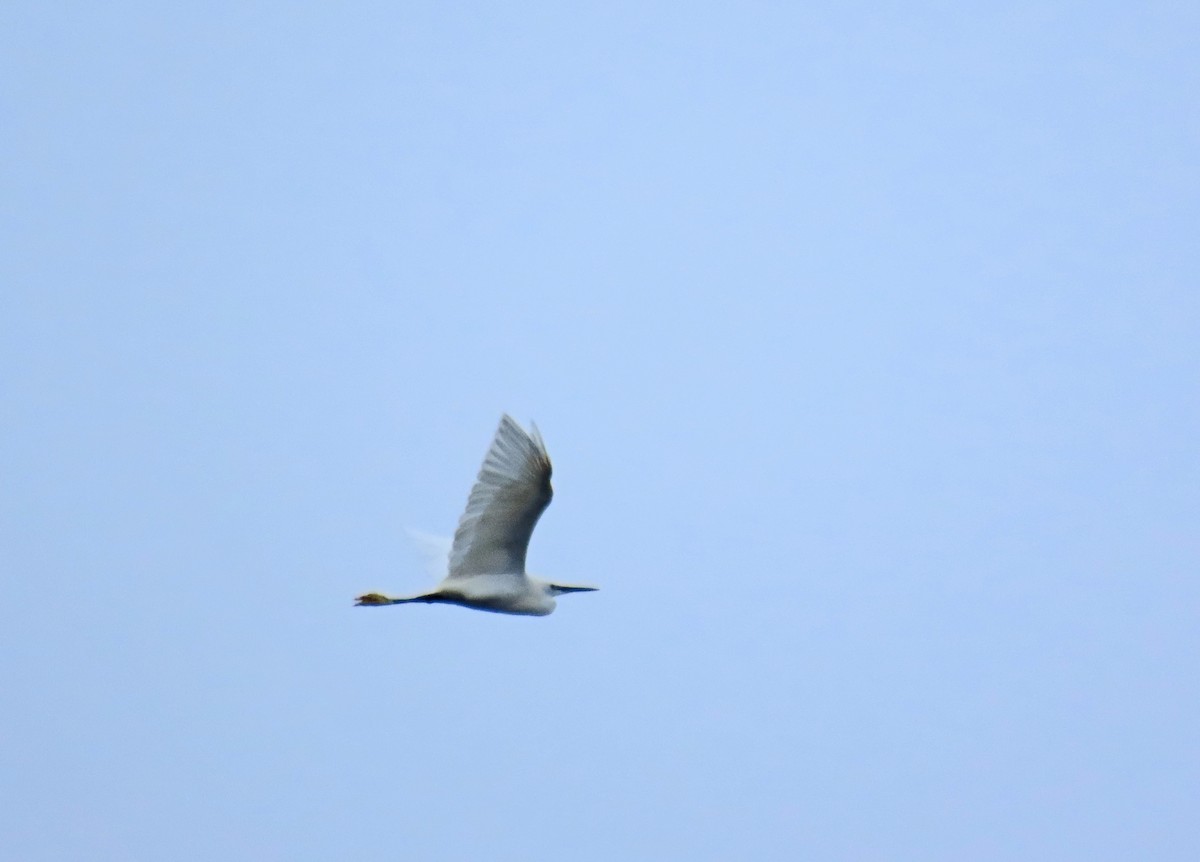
{"x": 866, "y": 342}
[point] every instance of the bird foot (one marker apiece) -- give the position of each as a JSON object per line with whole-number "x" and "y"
{"x": 371, "y": 599}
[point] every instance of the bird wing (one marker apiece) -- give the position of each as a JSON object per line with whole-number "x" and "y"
{"x": 434, "y": 549}
{"x": 512, "y": 491}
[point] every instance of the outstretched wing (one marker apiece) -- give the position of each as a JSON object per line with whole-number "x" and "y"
{"x": 512, "y": 491}
{"x": 434, "y": 549}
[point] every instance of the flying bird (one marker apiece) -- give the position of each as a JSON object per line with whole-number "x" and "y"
{"x": 487, "y": 559}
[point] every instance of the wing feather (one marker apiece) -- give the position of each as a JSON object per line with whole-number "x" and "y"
{"x": 510, "y": 494}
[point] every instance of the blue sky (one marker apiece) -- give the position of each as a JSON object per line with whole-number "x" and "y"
{"x": 864, "y": 340}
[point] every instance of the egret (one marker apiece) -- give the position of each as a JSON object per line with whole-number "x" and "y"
{"x": 487, "y": 558}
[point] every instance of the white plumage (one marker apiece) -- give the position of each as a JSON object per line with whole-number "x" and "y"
{"x": 486, "y": 567}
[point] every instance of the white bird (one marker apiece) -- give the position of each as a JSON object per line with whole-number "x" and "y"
{"x": 487, "y": 560}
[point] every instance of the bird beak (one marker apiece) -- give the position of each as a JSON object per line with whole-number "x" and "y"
{"x": 561, "y": 589}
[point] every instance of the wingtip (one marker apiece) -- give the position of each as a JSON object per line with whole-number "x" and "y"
{"x": 508, "y": 422}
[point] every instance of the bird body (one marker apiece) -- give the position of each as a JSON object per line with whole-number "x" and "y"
{"x": 486, "y": 568}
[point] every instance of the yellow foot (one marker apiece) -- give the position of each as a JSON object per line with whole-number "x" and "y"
{"x": 372, "y": 599}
